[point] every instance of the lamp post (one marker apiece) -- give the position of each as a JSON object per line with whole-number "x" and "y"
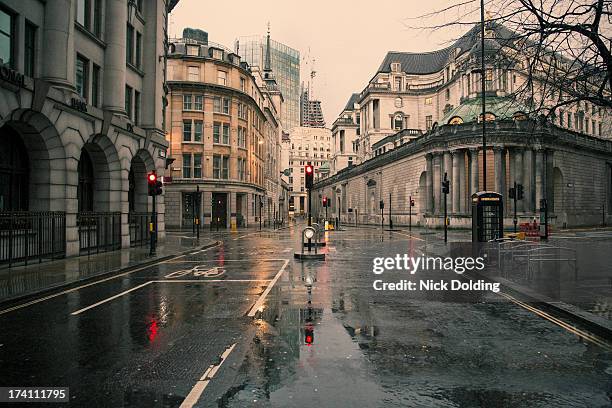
{"x": 483, "y": 84}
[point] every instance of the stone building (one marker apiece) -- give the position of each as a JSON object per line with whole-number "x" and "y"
{"x": 345, "y": 135}
{"x": 225, "y": 132}
{"x": 418, "y": 90}
{"x": 305, "y": 145}
{"x": 421, "y": 118}
{"x": 81, "y": 123}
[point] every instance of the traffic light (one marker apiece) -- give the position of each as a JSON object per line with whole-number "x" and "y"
{"x": 382, "y": 204}
{"x": 309, "y": 335}
{"x": 519, "y": 192}
{"x": 158, "y": 187}
{"x": 512, "y": 192}
{"x": 411, "y": 202}
{"x": 152, "y": 183}
{"x": 309, "y": 176}
{"x": 324, "y": 201}
{"x": 445, "y": 186}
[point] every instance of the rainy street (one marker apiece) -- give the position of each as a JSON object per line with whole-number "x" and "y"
{"x": 243, "y": 324}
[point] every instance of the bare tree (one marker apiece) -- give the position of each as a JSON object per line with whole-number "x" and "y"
{"x": 563, "y": 47}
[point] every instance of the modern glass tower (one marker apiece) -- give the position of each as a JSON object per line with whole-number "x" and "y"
{"x": 285, "y": 64}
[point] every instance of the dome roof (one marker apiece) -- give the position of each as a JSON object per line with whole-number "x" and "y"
{"x": 491, "y": 47}
{"x": 471, "y": 109}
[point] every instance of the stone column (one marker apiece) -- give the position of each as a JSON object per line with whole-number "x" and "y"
{"x": 499, "y": 170}
{"x": 463, "y": 183}
{"x": 473, "y": 171}
{"x": 114, "y": 56}
{"x": 206, "y": 209}
{"x": 437, "y": 164}
{"x": 518, "y": 175}
{"x": 58, "y": 49}
{"x": 528, "y": 205}
{"x": 429, "y": 184}
{"x": 455, "y": 189}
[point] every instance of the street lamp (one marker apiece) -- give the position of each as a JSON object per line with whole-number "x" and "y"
{"x": 132, "y": 7}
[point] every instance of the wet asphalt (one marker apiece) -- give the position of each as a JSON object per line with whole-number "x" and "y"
{"x": 147, "y": 338}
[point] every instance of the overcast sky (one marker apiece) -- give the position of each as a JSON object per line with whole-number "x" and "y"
{"x": 348, "y": 39}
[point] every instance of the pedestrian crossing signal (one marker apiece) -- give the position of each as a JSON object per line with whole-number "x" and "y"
{"x": 309, "y": 335}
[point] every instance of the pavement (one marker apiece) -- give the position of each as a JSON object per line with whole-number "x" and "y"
{"x": 242, "y": 324}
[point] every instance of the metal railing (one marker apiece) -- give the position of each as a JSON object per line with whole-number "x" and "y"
{"x": 99, "y": 231}
{"x": 139, "y": 228}
{"x": 27, "y": 236}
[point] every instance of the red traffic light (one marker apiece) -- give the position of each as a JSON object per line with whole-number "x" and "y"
{"x": 152, "y": 177}
{"x": 324, "y": 200}
{"x": 309, "y": 335}
{"x": 309, "y": 169}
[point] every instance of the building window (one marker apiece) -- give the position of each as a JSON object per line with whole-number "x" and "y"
{"x": 342, "y": 141}
{"x": 138, "y": 50}
{"x": 29, "y": 49}
{"x": 95, "y": 86}
{"x": 398, "y": 83}
{"x": 136, "y": 107}
{"x": 242, "y": 84}
{"x": 561, "y": 117}
{"x": 82, "y": 76}
{"x": 197, "y": 165}
{"x": 226, "y": 106}
{"x": 199, "y": 102}
{"x": 225, "y": 168}
{"x": 83, "y": 13}
{"x": 187, "y": 102}
{"x": 241, "y": 137}
{"x": 129, "y": 45}
{"x": 187, "y": 131}
{"x": 569, "y": 120}
{"x": 97, "y": 18}
{"x": 6, "y": 38}
{"x": 186, "y": 165}
{"x": 193, "y": 74}
{"x": 398, "y": 122}
{"x": 226, "y": 133}
{"x": 217, "y": 105}
{"x": 128, "y": 101}
{"x": 221, "y": 77}
{"x": 197, "y": 130}
{"x": 428, "y": 101}
{"x": 216, "y": 132}
{"x": 216, "y": 166}
{"x": 428, "y": 122}
{"x": 241, "y": 169}
{"x": 193, "y": 50}
{"x": 489, "y": 79}
{"x": 593, "y": 128}
{"x": 447, "y": 94}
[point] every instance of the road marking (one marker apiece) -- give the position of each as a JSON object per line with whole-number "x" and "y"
{"x": 261, "y": 299}
{"x": 246, "y": 235}
{"x": 33, "y": 302}
{"x": 230, "y": 260}
{"x": 110, "y": 298}
{"x": 558, "y": 322}
{"x": 197, "y": 390}
{"x": 407, "y": 235}
{"x": 198, "y": 270}
{"x": 210, "y": 280}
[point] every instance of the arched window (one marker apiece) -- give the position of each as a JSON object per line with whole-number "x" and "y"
{"x": 14, "y": 171}
{"x": 455, "y": 120}
{"x": 85, "y": 188}
{"x": 398, "y": 121}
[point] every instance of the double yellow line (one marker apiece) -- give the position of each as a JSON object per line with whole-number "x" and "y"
{"x": 582, "y": 334}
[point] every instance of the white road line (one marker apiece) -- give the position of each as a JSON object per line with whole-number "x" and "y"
{"x": 246, "y": 235}
{"x": 261, "y": 299}
{"x": 211, "y": 280}
{"x": 110, "y": 298}
{"x": 197, "y": 390}
{"x": 33, "y": 302}
{"x": 230, "y": 260}
{"x": 408, "y": 235}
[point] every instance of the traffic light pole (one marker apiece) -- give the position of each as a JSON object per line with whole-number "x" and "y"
{"x": 410, "y": 214}
{"x": 445, "y": 219}
{"x": 309, "y": 219}
{"x": 390, "y": 219}
{"x": 197, "y": 200}
{"x": 260, "y": 213}
{"x": 515, "y": 220}
{"x": 153, "y": 228}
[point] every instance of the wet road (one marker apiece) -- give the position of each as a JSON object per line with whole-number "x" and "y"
{"x": 228, "y": 327}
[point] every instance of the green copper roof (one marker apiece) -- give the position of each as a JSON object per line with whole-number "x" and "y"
{"x": 471, "y": 109}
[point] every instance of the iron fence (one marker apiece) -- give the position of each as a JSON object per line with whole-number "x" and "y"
{"x": 139, "y": 228}
{"x": 27, "y": 236}
{"x": 99, "y": 231}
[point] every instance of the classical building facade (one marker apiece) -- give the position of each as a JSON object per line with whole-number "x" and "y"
{"x": 225, "y": 131}
{"x": 421, "y": 119}
{"x": 76, "y": 138}
{"x": 305, "y": 145}
{"x": 420, "y": 90}
{"x": 345, "y": 136}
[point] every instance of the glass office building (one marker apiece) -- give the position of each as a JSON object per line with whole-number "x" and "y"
{"x": 285, "y": 64}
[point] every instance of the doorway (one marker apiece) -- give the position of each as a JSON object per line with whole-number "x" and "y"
{"x": 219, "y": 210}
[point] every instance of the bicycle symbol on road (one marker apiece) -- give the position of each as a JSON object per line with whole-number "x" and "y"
{"x": 200, "y": 271}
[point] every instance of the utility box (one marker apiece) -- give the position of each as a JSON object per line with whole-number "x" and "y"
{"x": 487, "y": 216}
